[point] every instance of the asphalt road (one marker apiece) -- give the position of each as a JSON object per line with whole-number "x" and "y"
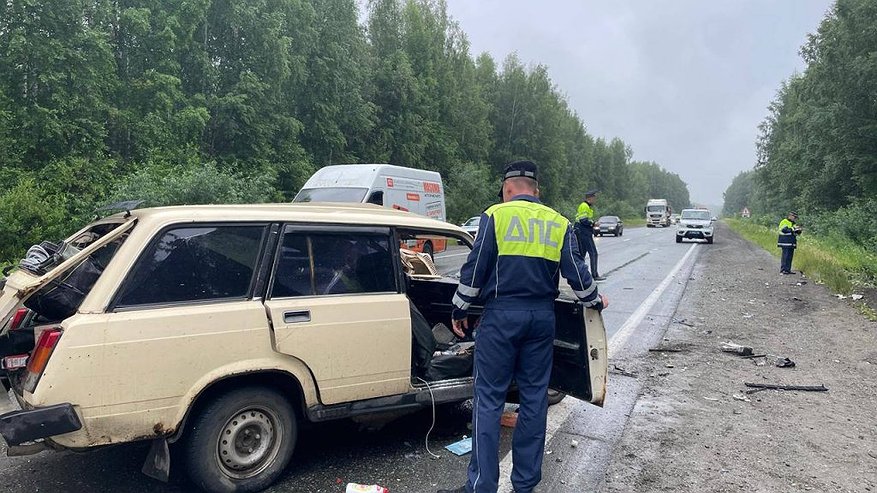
{"x": 647, "y": 273}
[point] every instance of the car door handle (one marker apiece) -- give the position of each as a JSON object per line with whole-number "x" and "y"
{"x": 297, "y": 317}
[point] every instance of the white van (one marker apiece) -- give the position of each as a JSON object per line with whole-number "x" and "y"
{"x": 394, "y": 187}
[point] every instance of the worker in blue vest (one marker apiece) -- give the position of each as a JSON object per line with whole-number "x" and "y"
{"x": 584, "y": 230}
{"x": 788, "y": 241}
{"x": 521, "y": 250}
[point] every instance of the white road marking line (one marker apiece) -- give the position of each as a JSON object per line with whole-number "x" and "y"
{"x": 559, "y": 413}
{"x": 628, "y": 239}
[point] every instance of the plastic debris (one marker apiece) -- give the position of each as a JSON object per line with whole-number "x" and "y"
{"x": 785, "y": 363}
{"x": 365, "y": 488}
{"x": 730, "y": 347}
{"x": 743, "y": 398}
{"x": 574, "y": 443}
{"x": 856, "y": 297}
{"x": 462, "y": 447}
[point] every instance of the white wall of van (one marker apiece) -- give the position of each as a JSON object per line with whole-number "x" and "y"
{"x": 395, "y": 187}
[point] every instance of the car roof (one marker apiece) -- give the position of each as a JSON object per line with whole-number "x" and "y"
{"x": 308, "y": 212}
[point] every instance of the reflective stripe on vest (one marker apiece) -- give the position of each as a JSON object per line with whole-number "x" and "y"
{"x": 528, "y": 229}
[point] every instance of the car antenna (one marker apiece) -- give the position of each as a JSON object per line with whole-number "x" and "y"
{"x": 126, "y": 205}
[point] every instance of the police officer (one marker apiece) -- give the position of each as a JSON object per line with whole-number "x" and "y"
{"x": 584, "y": 229}
{"x": 520, "y": 248}
{"x": 788, "y": 241}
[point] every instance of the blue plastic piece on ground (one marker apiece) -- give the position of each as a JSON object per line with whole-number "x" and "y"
{"x": 462, "y": 447}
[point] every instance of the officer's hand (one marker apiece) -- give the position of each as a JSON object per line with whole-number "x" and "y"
{"x": 459, "y": 326}
{"x": 604, "y": 301}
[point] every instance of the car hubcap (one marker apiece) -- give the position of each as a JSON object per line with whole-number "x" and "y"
{"x": 248, "y": 442}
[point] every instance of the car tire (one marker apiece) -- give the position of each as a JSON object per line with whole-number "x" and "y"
{"x": 709, "y": 240}
{"x": 251, "y": 417}
{"x": 554, "y": 397}
{"x": 428, "y": 249}
{"x": 678, "y": 239}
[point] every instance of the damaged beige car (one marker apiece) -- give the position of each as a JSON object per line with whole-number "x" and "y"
{"x": 221, "y": 329}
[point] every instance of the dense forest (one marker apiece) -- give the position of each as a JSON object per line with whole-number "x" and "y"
{"x": 817, "y": 152}
{"x": 199, "y": 101}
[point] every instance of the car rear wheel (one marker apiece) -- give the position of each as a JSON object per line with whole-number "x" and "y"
{"x": 241, "y": 441}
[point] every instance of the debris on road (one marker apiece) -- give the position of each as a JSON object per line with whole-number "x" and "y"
{"x": 857, "y": 297}
{"x": 462, "y": 447}
{"x": 623, "y": 372}
{"x": 741, "y": 397}
{"x": 509, "y": 419}
{"x": 365, "y": 488}
{"x": 682, "y": 321}
{"x": 665, "y": 350}
{"x": 574, "y": 443}
{"x": 785, "y": 363}
{"x": 753, "y": 356}
{"x": 806, "y": 388}
{"x": 730, "y": 347}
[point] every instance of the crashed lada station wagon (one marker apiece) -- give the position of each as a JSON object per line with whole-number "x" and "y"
{"x": 222, "y": 329}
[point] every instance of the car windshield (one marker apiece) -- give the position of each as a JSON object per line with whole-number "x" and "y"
{"x": 344, "y": 194}
{"x": 608, "y": 219}
{"x": 472, "y": 221}
{"x": 656, "y": 208}
{"x": 701, "y": 215}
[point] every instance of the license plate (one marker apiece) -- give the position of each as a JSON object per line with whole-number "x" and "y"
{"x": 14, "y": 362}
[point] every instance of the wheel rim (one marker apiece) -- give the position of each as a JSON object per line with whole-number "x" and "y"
{"x": 249, "y": 442}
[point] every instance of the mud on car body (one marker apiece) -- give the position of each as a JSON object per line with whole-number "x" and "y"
{"x": 223, "y": 328}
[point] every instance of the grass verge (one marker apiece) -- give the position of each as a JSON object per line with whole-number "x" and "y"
{"x": 838, "y": 263}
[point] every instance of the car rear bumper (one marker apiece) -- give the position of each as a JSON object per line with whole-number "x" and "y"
{"x": 27, "y": 425}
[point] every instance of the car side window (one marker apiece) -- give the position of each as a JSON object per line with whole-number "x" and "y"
{"x": 195, "y": 263}
{"x": 315, "y": 264}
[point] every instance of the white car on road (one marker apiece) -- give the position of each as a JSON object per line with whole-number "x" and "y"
{"x": 695, "y": 224}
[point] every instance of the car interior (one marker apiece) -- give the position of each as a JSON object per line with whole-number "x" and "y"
{"x": 437, "y": 354}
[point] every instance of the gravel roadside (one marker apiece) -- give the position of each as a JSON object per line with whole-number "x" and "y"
{"x": 695, "y": 428}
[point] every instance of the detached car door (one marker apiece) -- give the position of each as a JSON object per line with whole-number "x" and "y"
{"x": 335, "y": 304}
{"x": 580, "y": 353}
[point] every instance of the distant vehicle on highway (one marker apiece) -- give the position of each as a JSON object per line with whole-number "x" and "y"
{"x": 674, "y": 218}
{"x": 471, "y": 225}
{"x": 609, "y": 225}
{"x": 695, "y": 224}
{"x": 394, "y": 187}
{"x": 658, "y": 213}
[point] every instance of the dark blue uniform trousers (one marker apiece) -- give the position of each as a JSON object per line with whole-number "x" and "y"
{"x": 587, "y": 246}
{"x": 519, "y": 344}
{"x": 786, "y": 259}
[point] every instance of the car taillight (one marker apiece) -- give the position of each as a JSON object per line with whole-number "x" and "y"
{"x": 39, "y": 358}
{"x": 17, "y": 319}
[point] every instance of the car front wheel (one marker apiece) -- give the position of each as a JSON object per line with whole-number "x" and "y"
{"x": 241, "y": 441}
{"x": 678, "y": 239}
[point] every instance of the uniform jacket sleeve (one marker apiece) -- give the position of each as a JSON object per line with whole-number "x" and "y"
{"x": 476, "y": 270}
{"x": 575, "y": 271}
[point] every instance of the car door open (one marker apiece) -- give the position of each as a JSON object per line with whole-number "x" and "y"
{"x": 580, "y": 353}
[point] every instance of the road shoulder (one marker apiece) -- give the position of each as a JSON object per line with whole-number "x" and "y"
{"x": 695, "y": 428}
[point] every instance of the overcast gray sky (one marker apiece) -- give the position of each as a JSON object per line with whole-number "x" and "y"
{"x": 684, "y": 82}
